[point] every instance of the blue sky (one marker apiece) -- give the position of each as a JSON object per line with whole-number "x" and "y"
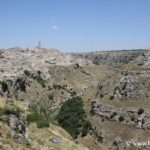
{"x": 75, "y": 25}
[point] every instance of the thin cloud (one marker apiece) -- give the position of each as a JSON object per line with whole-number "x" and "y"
{"x": 55, "y": 27}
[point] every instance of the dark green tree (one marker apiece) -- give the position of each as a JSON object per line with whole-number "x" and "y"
{"x": 72, "y": 117}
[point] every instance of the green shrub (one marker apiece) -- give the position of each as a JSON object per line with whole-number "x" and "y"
{"x": 11, "y": 111}
{"x": 39, "y": 72}
{"x": 9, "y": 81}
{"x": 4, "y": 86}
{"x": 72, "y": 117}
{"x": 100, "y": 139}
{"x": 73, "y": 93}
{"x": 121, "y": 118}
{"x": 111, "y": 97}
{"x": 57, "y": 86}
{"x": 33, "y": 117}
{"x": 77, "y": 65}
{"x": 62, "y": 92}
{"x": 27, "y": 73}
{"x": 113, "y": 115}
{"x": 40, "y": 121}
{"x": 40, "y": 80}
{"x": 132, "y": 118}
{"x": 50, "y": 97}
{"x": 140, "y": 111}
{"x": 21, "y": 84}
{"x": 86, "y": 127}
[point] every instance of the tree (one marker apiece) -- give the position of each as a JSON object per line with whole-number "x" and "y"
{"x": 140, "y": 111}
{"x": 4, "y": 86}
{"x": 72, "y": 117}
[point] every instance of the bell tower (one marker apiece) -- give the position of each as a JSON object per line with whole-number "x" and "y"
{"x": 39, "y": 45}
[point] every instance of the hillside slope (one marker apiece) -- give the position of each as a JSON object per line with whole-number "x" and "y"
{"x": 37, "y": 83}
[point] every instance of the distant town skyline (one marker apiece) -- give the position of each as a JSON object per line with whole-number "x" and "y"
{"x": 74, "y": 26}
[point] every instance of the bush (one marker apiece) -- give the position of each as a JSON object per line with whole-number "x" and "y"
{"x": 86, "y": 127}
{"x": 77, "y": 66}
{"x": 39, "y": 72}
{"x": 33, "y": 117}
{"x": 58, "y": 87}
{"x": 63, "y": 87}
{"x": 113, "y": 115}
{"x": 40, "y": 121}
{"x": 11, "y": 111}
{"x": 132, "y": 118}
{"x": 121, "y": 118}
{"x": 21, "y": 84}
{"x": 50, "y": 97}
{"x": 111, "y": 97}
{"x": 9, "y": 81}
{"x": 4, "y": 86}
{"x": 73, "y": 93}
{"x": 140, "y": 111}
{"x": 72, "y": 117}
{"x": 40, "y": 80}
{"x": 26, "y": 72}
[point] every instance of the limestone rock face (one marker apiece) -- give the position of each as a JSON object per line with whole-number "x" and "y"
{"x": 114, "y": 59}
{"x": 130, "y": 117}
{"x": 127, "y": 85}
{"x": 132, "y": 84}
{"x": 19, "y": 129}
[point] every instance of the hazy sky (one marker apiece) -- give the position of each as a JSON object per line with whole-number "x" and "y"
{"x": 75, "y": 25}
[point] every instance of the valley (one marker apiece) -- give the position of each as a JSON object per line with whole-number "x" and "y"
{"x": 112, "y": 88}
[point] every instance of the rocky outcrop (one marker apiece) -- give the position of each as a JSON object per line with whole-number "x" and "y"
{"x": 19, "y": 130}
{"x": 126, "y": 85}
{"x": 132, "y": 84}
{"x": 111, "y": 58}
{"x": 133, "y": 117}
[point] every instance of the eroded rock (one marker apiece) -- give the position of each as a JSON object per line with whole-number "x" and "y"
{"x": 18, "y": 127}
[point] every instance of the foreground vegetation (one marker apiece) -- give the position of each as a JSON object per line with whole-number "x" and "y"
{"x": 73, "y": 119}
{"x": 40, "y": 120}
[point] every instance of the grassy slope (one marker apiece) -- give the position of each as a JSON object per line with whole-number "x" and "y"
{"x": 39, "y": 139}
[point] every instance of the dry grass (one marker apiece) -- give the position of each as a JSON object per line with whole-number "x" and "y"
{"x": 41, "y": 139}
{"x": 2, "y": 102}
